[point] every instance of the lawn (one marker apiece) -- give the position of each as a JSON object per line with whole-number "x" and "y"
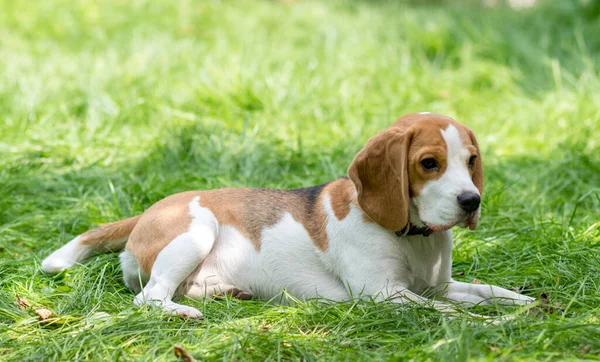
{"x": 107, "y": 106}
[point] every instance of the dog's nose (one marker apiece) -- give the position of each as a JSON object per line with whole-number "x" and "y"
{"x": 469, "y": 201}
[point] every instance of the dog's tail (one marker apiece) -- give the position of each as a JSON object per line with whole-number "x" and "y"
{"x": 108, "y": 237}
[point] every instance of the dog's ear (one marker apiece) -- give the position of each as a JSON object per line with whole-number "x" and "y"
{"x": 380, "y": 173}
{"x": 478, "y": 170}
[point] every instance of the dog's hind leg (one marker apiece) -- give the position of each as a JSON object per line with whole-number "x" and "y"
{"x": 173, "y": 265}
{"x": 133, "y": 276}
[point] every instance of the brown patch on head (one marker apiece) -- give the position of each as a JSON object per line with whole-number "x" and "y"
{"x": 389, "y": 170}
{"x": 428, "y": 136}
{"x": 427, "y": 143}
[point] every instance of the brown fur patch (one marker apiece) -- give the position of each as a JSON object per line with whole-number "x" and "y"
{"x": 249, "y": 211}
{"x": 158, "y": 226}
{"x": 341, "y": 193}
{"x": 252, "y": 210}
{"x": 312, "y": 214}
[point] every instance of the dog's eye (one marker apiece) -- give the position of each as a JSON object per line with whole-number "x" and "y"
{"x": 429, "y": 164}
{"x": 472, "y": 161}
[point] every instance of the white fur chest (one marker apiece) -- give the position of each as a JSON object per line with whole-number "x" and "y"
{"x": 374, "y": 260}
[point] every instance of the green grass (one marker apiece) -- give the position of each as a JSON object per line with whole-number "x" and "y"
{"x": 108, "y": 106}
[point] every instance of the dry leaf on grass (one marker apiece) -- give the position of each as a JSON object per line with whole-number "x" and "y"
{"x": 43, "y": 313}
{"x": 22, "y": 303}
{"x": 476, "y": 281}
{"x": 183, "y": 354}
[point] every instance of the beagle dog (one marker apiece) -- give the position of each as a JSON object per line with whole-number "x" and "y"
{"x": 383, "y": 231}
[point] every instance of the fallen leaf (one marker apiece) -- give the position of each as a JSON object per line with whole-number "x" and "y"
{"x": 43, "y": 313}
{"x": 585, "y": 349}
{"x": 476, "y": 281}
{"x": 22, "y": 303}
{"x": 265, "y": 327}
{"x": 182, "y": 354}
{"x": 457, "y": 274}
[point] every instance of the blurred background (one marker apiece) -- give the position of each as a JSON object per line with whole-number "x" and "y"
{"x": 283, "y": 93}
{"x": 120, "y": 103}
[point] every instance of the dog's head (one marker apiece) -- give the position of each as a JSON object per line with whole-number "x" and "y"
{"x": 424, "y": 169}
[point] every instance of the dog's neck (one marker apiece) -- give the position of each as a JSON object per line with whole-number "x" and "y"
{"x": 415, "y": 225}
{"x": 411, "y": 230}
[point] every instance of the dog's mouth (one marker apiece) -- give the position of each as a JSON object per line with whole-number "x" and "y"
{"x": 472, "y": 220}
{"x": 469, "y": 221}
{"x": 438, "y": 228}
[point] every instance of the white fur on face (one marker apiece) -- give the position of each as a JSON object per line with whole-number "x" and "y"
{"x": 437, "y": 205}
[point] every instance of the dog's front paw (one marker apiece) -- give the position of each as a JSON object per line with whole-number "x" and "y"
{"x": 523, "y": 300}
{"x": 183, "y": 310}
{"x": 168, "y": 306}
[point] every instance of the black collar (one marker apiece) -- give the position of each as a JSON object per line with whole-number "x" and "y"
{"x": 410, "y": 230}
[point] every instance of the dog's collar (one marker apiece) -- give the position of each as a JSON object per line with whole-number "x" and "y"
{"x": 411, "y": 229}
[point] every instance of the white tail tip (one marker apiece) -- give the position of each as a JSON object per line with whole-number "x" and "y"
{"x": 66, "y": 257}
{"x": 53, "y": 265}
